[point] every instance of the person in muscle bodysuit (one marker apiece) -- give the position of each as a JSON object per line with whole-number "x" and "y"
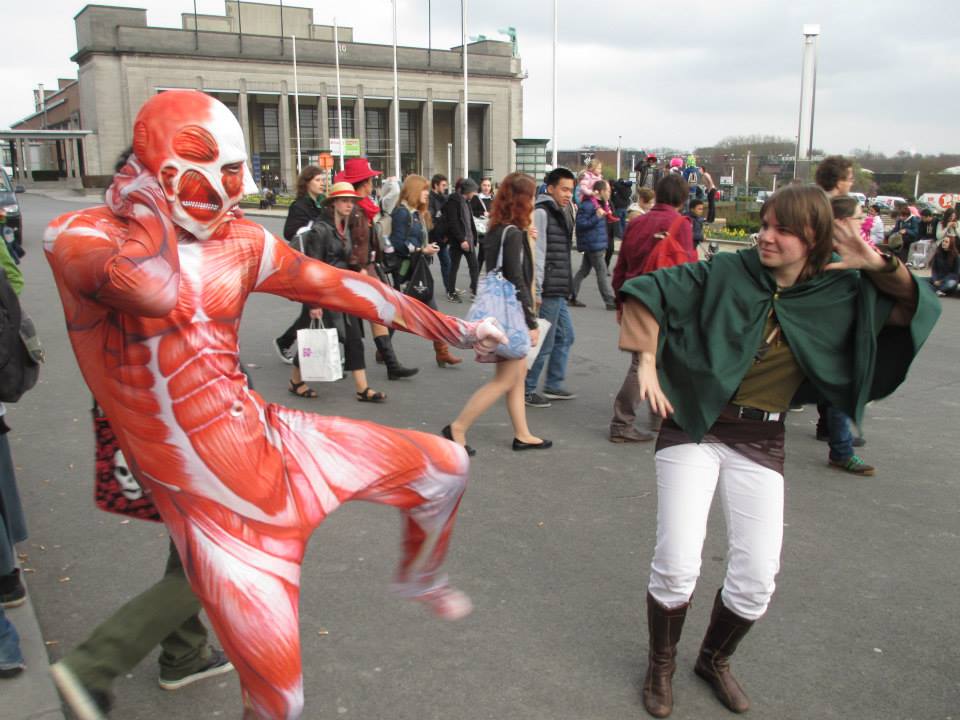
{"x": 153, "y": 286}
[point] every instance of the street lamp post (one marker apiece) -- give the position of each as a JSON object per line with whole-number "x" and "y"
{"x": 619, "y": 144}
{"x": 808, "y": 90}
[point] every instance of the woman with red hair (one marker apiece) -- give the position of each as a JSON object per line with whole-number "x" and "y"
{"x": 510, "y": 219}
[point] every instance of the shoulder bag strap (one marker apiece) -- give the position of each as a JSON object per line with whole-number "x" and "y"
{"x": 503, "y": 239}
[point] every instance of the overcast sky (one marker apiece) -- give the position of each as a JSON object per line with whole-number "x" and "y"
{"x": 681, "y": 74}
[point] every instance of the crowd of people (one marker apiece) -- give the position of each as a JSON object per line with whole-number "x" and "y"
{"x": 356, "y": 259}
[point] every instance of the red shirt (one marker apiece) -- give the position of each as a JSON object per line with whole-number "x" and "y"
{"x": 639, "y": 240}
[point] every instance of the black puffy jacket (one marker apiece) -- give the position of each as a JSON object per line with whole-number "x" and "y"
{"x": 557, "y": 268}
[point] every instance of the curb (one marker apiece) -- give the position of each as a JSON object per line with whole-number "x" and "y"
{"x": 30, "y": 695}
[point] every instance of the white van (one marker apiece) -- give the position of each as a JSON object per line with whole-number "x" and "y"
{"x": 889, "y": 202}
{"x": 861, "y": 198}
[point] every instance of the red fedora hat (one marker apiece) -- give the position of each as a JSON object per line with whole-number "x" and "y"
{"x": 356, "y": 170}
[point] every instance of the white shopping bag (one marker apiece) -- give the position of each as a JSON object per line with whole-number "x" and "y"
{"x": 544, "y": 326}
{"x": 318, "y": 349}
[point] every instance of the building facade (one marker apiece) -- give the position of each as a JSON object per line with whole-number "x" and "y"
{"x": 245, "y": 59}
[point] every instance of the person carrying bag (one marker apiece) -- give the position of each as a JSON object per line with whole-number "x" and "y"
{"x": 506, "y": 294}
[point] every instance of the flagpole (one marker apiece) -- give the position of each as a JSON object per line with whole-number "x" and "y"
{"x": 466, "y": 96}
{"x": 296, "y": 102}
{"x": 396, "y": 100}
{"x": 556, "y": 23}
{"x": 336, "y": 57}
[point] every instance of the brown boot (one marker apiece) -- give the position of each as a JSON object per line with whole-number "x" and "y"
{"x": 664, "y": 626}
{"x": 726, "y": 631}
{"x": 444, "y": 356}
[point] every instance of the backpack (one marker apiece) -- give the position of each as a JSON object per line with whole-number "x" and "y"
{"x": 620, "y": 191}
{"x": 382, "y": 227}
{"x": 20, "y": 350}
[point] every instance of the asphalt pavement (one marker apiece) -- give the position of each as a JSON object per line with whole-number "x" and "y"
{"x": 553, "y": 547}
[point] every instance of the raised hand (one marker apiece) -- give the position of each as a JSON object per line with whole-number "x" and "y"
{"x": 854, "y": 252}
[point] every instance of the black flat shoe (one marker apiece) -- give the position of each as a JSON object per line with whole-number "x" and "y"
{"x": 542, "y": 445}
{"x": 448, "y": 434}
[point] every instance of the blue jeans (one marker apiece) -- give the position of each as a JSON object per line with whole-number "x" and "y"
{"x": 556, "y": 346}
{"x": 841, "y": 439}
{"x": 444, "y": 256}
{"x": 10, "y": 655}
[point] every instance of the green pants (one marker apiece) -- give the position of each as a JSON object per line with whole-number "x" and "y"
{"x": 165, "y": 614}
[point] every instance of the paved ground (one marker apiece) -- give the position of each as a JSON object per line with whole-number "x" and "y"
{"x": 553, "y": 547}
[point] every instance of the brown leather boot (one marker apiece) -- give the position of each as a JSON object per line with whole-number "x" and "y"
{"x": 444, "y": 356}
{"x": 726, "y": 631}
{"x": 664, "y": 626}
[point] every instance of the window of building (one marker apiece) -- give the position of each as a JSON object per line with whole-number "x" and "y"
{"x": 377, "y": 132}
{"x": 409, "y": 140}
{"x": 348, "y": 128}
{"x": 270, "y": 128}
{"x": 309, "y": 131}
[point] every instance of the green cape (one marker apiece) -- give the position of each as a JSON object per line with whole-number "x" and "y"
{"x": 712, "y": 314}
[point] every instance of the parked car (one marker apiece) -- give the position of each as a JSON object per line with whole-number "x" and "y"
{"x": 889, "y": 202}
{"x": 763, "y": 195}
{"x": 11, "y": 206}
{"x": 861, "y": 198}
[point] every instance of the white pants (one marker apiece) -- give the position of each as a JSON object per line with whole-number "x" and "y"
{"x": 752, "y": 500}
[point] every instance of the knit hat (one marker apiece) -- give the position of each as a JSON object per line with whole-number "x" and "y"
{"x": 468, "y": 185}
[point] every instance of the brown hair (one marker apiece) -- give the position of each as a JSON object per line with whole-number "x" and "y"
{"x": 513, "y": 203}
{"x": 413, "y": 187}
{"x": 843, "y": 206}
{"x": 804, "y": 211}
{"x": 306, "y": 175}
{"x": 645, "y": 195}
{"x": 831, "y": 171}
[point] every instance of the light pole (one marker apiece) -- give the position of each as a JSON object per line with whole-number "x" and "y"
{"x": 619, "y": 143}
{"x": 808, "y": 90}
{"x": 556, "y": 26}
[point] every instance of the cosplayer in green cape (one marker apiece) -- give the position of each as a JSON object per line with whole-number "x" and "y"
{"x": 833, "y": 322}
{"x": 723, "y": 346}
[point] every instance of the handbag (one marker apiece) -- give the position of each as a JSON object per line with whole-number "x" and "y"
{"x": 420, "y": 284}
{"x": 497, "y": 298}
{"x": 480, "y": 223}
{"x": 318, "y": 350}
{"x": 115, "y": 488}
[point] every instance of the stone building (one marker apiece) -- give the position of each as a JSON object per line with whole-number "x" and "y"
{"x": 245, "y": 59}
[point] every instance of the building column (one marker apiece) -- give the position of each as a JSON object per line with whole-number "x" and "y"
{"x": 426, "y": 136}
{"x": 392, "y": 135}
{"x": 287, "y": 171}
{"x": 360, "y": 120}
{"x": 68, "y": 159}
{"x": 458, "y": 169}
{"x": 323, "y": 117}
{"x": 486, "y": 158}
{"x": 24, "y": 162}
{"x": 243, "y": 110}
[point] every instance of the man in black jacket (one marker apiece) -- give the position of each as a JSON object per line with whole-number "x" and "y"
{"x": 438, "y": 233}
{"x": 554, "y": 281}
{"x": 461, "y": 237}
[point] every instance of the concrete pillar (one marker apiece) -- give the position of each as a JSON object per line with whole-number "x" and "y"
{"x": 323, "y": 117}
{"x": 24, "y": 162}
{"x": 287, "y": 171}
{"x": 68, "y": 159}
{"x": 459, "y": 170}
{"x": 426, "y": 136}
{"x": 360, "y": 120}
{"x": 243, "y": 109}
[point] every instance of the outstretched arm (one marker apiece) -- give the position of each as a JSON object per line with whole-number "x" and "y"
{"x": 289, "y": 274}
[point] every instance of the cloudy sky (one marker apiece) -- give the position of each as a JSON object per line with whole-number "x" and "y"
{"x": 681, "y": 74}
